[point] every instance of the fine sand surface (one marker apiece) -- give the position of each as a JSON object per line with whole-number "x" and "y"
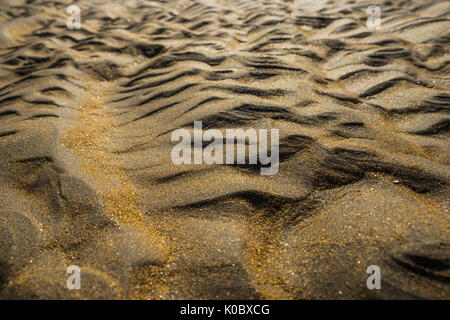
{"x": 86, "y": 176}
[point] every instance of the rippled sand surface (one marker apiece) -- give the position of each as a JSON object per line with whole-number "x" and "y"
{"x": 86, "y": 176}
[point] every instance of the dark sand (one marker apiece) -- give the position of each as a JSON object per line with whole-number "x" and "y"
{"x": 86, "y": 176}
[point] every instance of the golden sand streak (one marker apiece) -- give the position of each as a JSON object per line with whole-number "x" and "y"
{"x": 89, "y": 140}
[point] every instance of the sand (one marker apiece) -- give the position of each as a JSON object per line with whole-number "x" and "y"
{"x": 86, "y": 177}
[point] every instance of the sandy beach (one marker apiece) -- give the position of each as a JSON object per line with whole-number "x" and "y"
{"x": 87, "y": 178}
